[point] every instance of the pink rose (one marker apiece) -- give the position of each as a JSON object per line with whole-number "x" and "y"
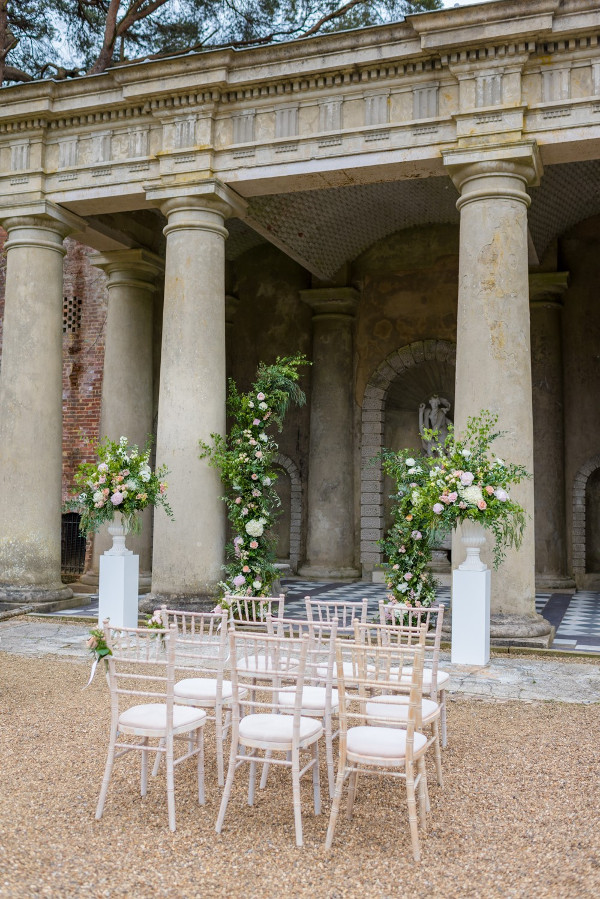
{"x": 254, "y": 477}
{"x": 396, "y": 567}
{"x": 416, "y": 535}
{"x": 501, "y": 494}
{"x": 245, "y": 569}
{"x": 238, "y": 580}
{"x": 462, "y": 505}
{"x": 402, "y": 549}
{"x": 452, "y": 497}
{"x": 407, "y": 576}
{"x": 438, "y": 508}
{"x": 482, "y": 504}
{"x": 238, "y": 500}
{"x": 260, "y": 396}
{"x": 258, "y": 454}
{"x": 117, "y": 498}
{"x": 489, "y": 490}
{"x": 254, "y": 544}
{"x": 92, "y": 642}
{"x": 466, "y": 478}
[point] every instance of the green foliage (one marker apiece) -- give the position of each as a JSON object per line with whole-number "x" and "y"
{"x": 74, "y": 33}
{"x": 97, "y": 644}
{"x": 245, "y": 460}
{"x": 119, "y": 480}
{"x": 462, "y": 480}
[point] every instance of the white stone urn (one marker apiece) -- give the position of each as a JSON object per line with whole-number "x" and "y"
{"x": 118, "y": 530}
{"x": 473, "y": 538}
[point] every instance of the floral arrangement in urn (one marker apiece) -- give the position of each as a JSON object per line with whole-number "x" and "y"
{"x": 245, "y": 460}
{"x": 462, "y": 480}
{"x": 119, "y": 480}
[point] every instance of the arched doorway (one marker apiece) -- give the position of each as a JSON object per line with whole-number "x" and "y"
{"x": 586, "y": 525}
{"x": 408, "y": 377}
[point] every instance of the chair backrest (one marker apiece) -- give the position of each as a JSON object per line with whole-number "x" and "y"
{"x": 201, "y": 644}
{"x": 141, "y": 667}
{"x": 253, "y": 608}
{"x": 377, "y": 671}
{"x": 371, "y": 634}
{"x": 407, "y": 616}
{"x": 285, "y": 666}
{"x": 326, "y": 611}
{"x": 320, "y": 655}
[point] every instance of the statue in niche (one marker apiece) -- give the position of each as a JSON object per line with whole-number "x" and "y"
{"x": 436, "y": 418}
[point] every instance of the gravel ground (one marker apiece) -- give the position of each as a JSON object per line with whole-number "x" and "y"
{"x": 518, "y": 816}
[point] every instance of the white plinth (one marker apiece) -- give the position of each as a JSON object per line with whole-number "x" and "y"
{"x": 471, "y": 617}
{"x": 119, "y": 586}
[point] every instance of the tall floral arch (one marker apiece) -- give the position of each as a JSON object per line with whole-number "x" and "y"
{"x": 578, "y": 531}
{"x": 372, "y": 428}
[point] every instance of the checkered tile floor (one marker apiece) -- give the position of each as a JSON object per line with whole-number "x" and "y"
{"x": 575, "y": 616}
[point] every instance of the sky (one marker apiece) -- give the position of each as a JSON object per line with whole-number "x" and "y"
{"x": 449, "y": 3}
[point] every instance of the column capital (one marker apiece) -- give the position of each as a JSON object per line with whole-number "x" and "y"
{"x": 496, "y": 171}
{"x": 41, "y": 214}
{"x": 136, "y": 267}
{"x": 547, "y": 288}
{"x": 210, "y": 195}
{"x": 338, "y": 301}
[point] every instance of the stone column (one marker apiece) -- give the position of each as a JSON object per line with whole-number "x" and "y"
{"x": 545, "y": 301}
{"x": 493, "y": 359}
{"x": 330, "y": 550}
{"x": 188, "y": 552}
{"x": 127, "y": 402}
{"x": 31, "y": 410}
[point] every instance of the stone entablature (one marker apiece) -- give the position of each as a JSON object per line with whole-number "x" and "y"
{"x": 393, "y": 96}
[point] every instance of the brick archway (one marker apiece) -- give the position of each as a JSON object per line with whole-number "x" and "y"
{"x": 373, "y": 415}
{"x": 296, "y": 506}
{"x": 579, "y": 485}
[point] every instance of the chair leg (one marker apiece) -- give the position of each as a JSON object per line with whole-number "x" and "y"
{"x": 156, "y": 765}
{"x": 337, "y": 798}
{"x": 110, "y": 760}
{"x": 228, "y": 783}
{"x": 443, "y": 716}
{"x": 296, "y": 795}
{"x": 437, "y": 752}
{"x": 265, "y": 770}
{"x": 219, "y": 738}
{"x": 316, "y": 781}
{"x": 170, "y": 784}
{"x": 329, "y": 756}
{"x": 200, "y": 747}
{"x": 144, "y": 783}
{"x": 351, "y": 793}
{"x": 412, "y": 812}
{"x": 252, "y": 778}
{"x": 423, "y": 797}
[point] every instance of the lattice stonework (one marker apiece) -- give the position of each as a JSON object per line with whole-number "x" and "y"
{"x": 296, "y": 506}
{"x": 373, "y": 420}
{"x": 579, "y": 486}
{"x": 71, "y": 314}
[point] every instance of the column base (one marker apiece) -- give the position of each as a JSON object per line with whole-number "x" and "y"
{"x": 90, "y": 582}
{"x": 189, "y": 602}
{"x": 554, "y": 583}
{"x": 321, "y": 572}
{"x": 531, "y": 631}
{"x": 49, "y": 600}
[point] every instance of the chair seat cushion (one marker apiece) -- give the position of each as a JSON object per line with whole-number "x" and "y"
{"x": 395, "y": 707}
{"x": 313, "y": 698}
{"x": 153, "y": 717}
{"x": 442, "y": 676}
{"x": 277, "y": 728}
{"x": 381, "y": 742}
{"x": 201, "y": 688}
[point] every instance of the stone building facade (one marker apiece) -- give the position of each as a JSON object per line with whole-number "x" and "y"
{"x": 414, "y": 206}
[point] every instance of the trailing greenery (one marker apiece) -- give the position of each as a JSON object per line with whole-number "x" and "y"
{"x": 245, "y": 461}
{"x": 461, "y": 480}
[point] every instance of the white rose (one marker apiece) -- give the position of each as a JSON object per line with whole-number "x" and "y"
{"x": 267, "y": 482}
{"x": 471, "y": 495}
{"x": 262, "y": 406}
{"x": 145, "y": 473}
{"x": 411, "y": 462}
{"x": 263, "y": 437}
{"x": 257, "y": 585}
{"x": 466, "y": 453}
{"x": 97, "y": 497}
